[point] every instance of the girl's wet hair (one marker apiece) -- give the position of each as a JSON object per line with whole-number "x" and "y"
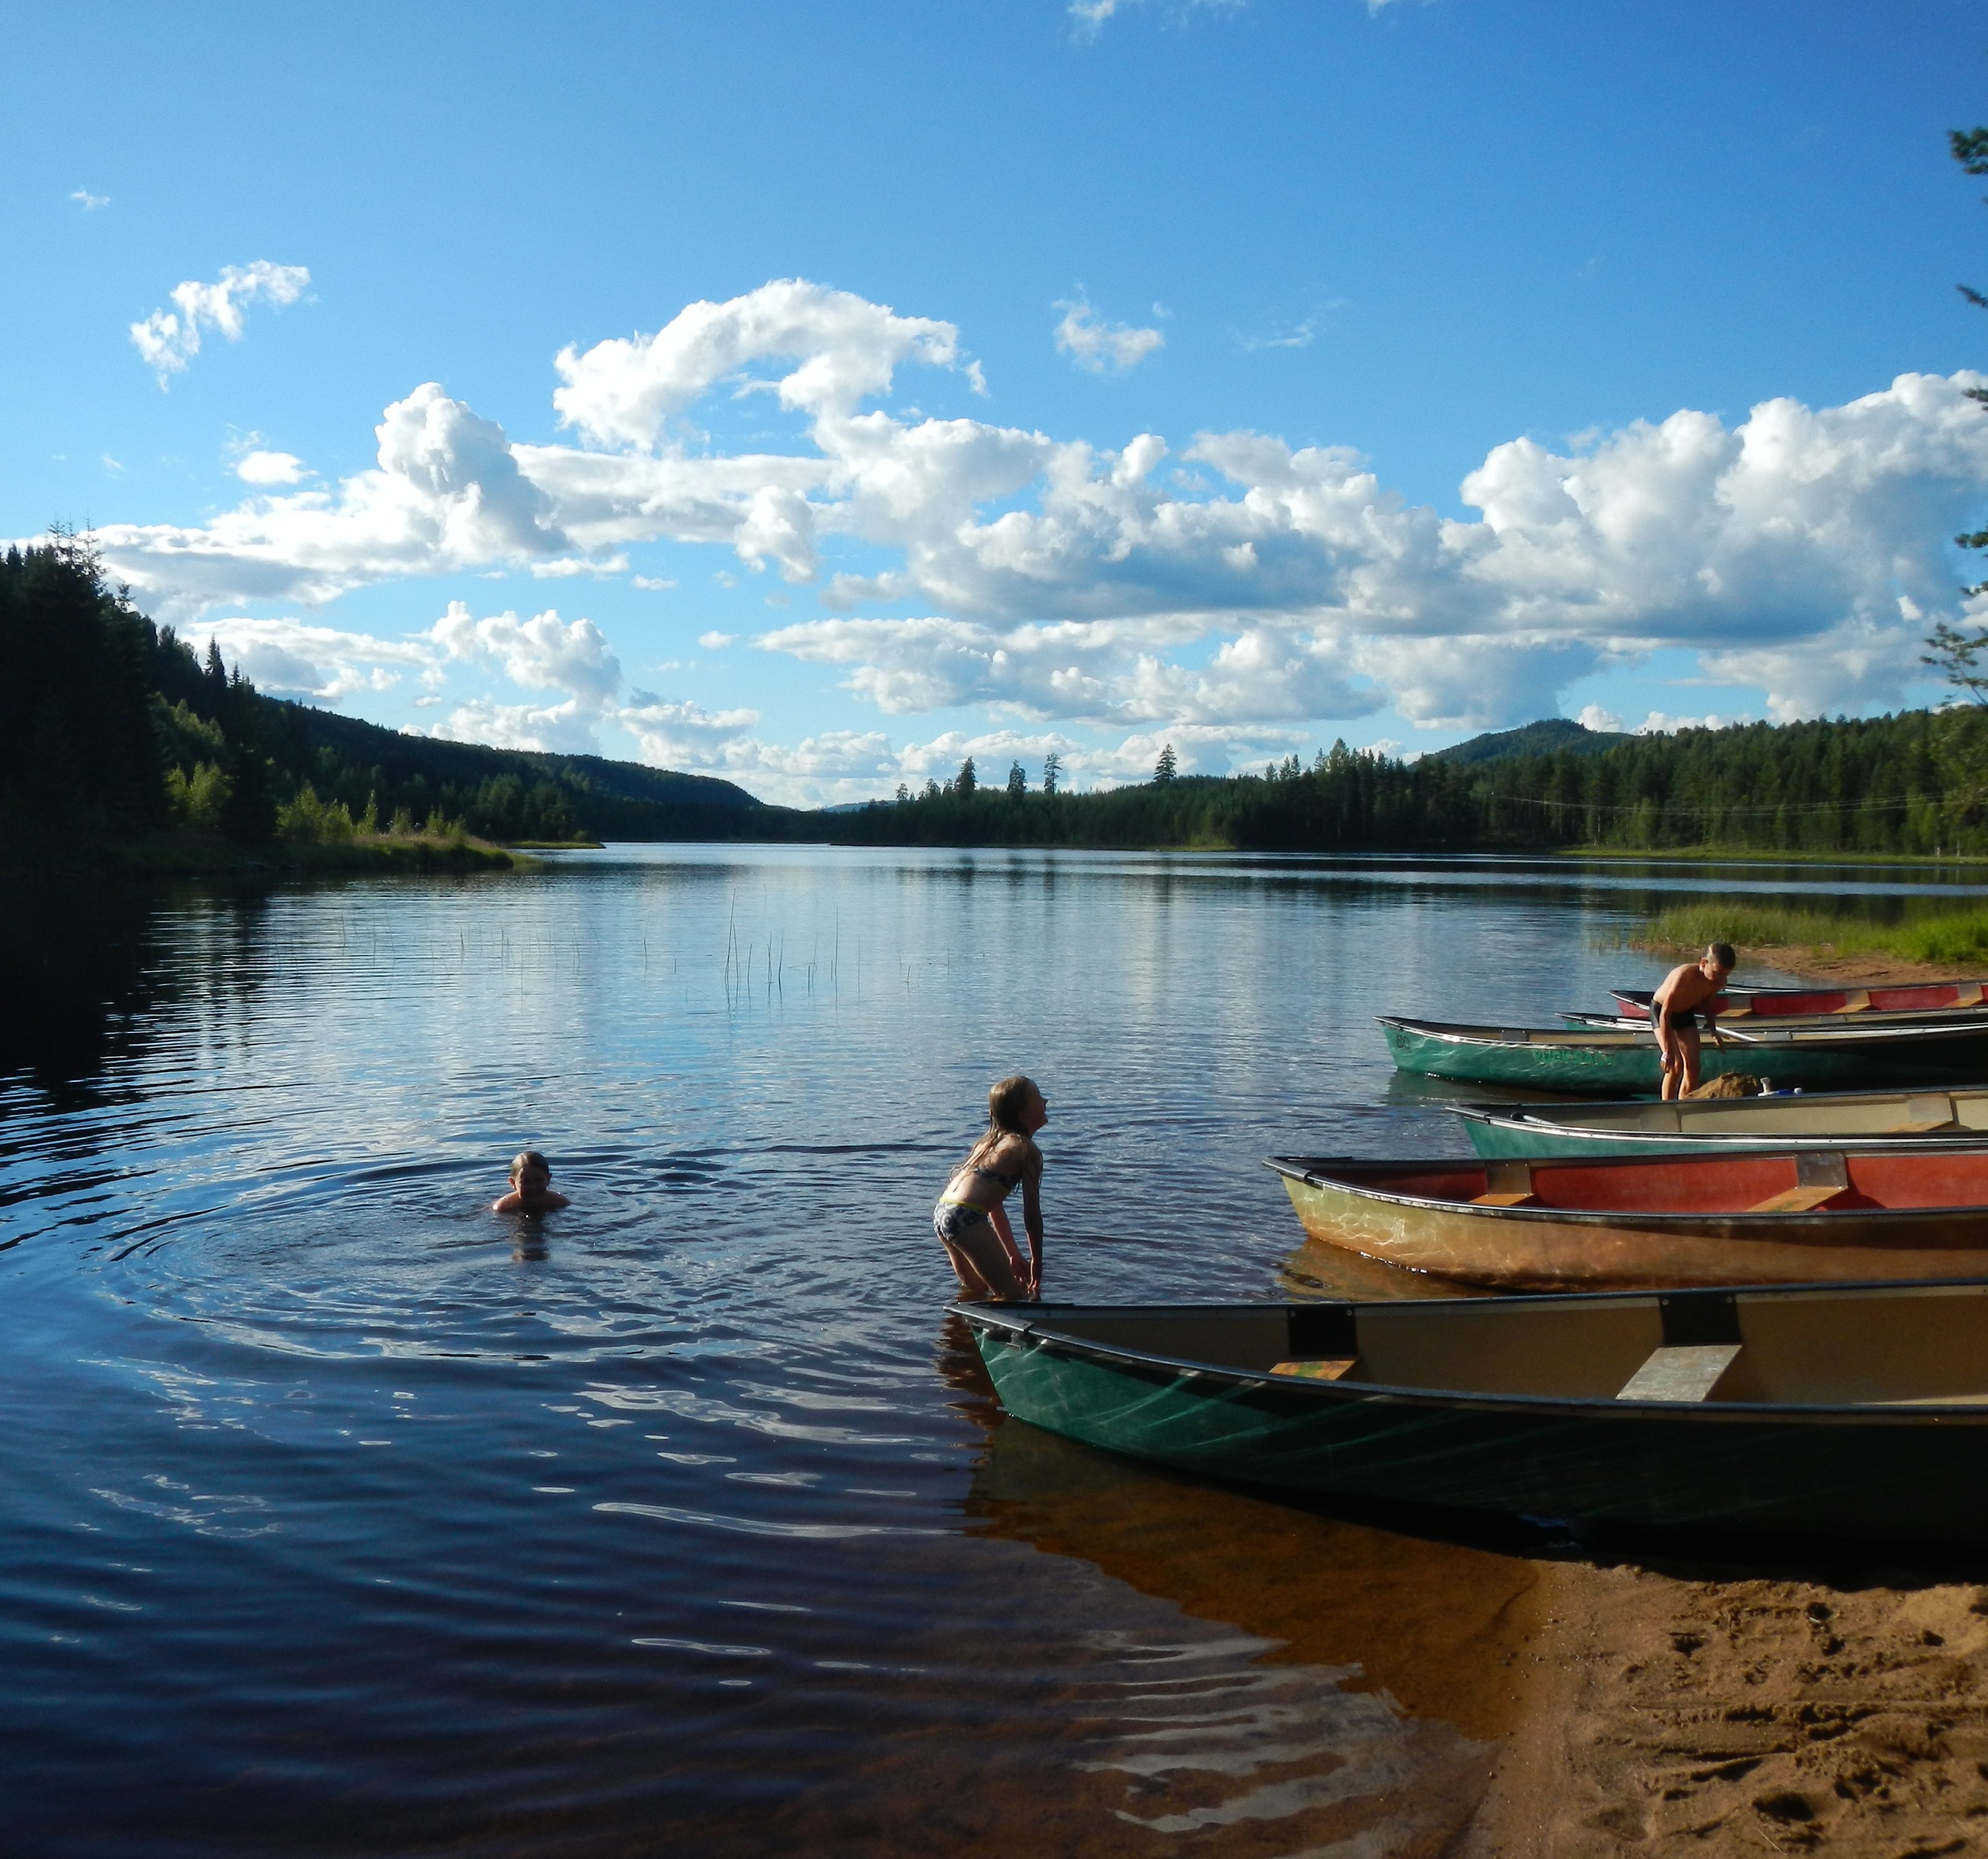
{"x": 1005, "y": 1102}
{"x": 529, "y": 1158}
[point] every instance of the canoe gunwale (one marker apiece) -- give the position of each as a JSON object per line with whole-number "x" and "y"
{"x": 1532, "y": 1121}
{"x": 1712, "y": 1143}
{"x": 1801, "y": 1036}
{"x": 1305, "y": 1169}
{"x": 1150, "y": 1365}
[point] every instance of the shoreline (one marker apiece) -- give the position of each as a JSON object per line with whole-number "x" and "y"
{"x": 188, "y": 855}
{"x": 1808, "y": 963}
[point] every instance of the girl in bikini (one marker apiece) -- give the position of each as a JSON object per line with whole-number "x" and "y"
{"x": 969, "y": 1220}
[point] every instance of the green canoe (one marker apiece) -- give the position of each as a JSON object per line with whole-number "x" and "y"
{"x": 1611, "y": 1063}
{"x": 1841, "y": 1410}
{"x": 1700, "y": 1126}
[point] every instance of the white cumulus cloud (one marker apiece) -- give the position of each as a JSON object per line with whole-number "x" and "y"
{"x": 290, "y": 658}
{"x": 268, "y": 468}
{"x": 1102, "y": 348}
{"x": 1232, "y": 582}
{"x": 169, "y": 339}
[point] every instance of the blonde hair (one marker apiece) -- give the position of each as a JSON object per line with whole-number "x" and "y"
{"x": 529, "y": 1158}
{"x": 1004, "y": 1101}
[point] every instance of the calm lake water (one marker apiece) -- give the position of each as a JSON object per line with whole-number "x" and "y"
{"x": 343, "y": 1516}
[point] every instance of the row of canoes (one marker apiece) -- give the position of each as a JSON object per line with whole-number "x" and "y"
{"x": 1802, "y": 1345}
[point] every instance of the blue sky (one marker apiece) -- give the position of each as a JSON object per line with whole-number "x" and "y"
{"x": 1240, "y": 375}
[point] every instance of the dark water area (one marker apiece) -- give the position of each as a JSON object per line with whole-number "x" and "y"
{"x": 343, "y": 1516}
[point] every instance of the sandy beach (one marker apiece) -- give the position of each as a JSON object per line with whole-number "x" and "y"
{"x": 1667, "y": 1710}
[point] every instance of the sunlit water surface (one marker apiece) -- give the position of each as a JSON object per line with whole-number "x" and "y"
{"x": 343, "y": 1516}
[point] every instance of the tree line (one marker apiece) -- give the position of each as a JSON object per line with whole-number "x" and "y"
{"x": 113, "y": 726}
{"x": 1913, "y": 783}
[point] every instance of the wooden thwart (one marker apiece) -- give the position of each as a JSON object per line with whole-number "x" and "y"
{"x": 1686, "y": 1372}
{"x": 1330, "y": 1371}
{"x": 1855, "y": 1001}
{"x": 1523, "y": 1197}
{"x": 1799, "y": 1199}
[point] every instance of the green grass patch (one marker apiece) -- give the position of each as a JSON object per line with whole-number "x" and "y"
{"x": 1951, "y": 936}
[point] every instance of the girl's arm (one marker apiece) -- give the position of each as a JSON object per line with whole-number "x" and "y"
{"x": 999, "y": 1216}
{"x": 1031, "y": 1214}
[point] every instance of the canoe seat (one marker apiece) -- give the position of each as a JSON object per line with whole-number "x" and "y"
{"x": 1735, "y": 1010}
{"x": 1932, "y": 1111}
{"x": 1800, "y": 1200}
{"x": 1855, "y": 1001}
{"x": 1968, "y": 995}
{"x": 1520, "y": 1197}
{"x": 1316, "y": 1371}
{"x": 1686, "y": 1372}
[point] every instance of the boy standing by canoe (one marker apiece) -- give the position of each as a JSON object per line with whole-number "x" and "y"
{"x": 1688, "y": 989}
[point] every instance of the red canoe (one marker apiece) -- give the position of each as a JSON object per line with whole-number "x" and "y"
{"x": 1755, "y": 1217}
{"x": 1800, "y": 1002}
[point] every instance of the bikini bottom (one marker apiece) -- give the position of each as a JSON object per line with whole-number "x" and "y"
{"x": 951, "y": 1218}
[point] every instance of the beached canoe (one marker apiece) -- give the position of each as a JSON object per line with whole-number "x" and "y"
{"x": 1843, "y": 1411}
{"x": 1696, "y": 1126}
{"x": 1752, "y": 1217}
{"x": 1800, "y": 1003}
{"x": 1618, "y": 1062}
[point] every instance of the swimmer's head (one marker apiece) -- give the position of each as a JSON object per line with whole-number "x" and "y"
{"x": 531, "y": 1172}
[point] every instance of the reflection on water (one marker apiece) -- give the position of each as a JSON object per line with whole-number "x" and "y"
{"x": 343, "y": 1516}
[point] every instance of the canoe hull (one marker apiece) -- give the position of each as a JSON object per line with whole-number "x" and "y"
{"x": 1627, "y": 1064}
{"x": 1507, "y": 1249}
{"x": 1842, "y": 1475}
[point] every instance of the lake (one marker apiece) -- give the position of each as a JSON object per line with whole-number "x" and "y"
{"x": 344, "y": 1516}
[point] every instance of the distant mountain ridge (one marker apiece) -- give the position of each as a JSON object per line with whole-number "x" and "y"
{"x": 401, "y": 756}
{"x": 1549, "y": 736}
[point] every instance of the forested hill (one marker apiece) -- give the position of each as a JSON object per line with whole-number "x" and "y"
{"x": 111, "y": 725}
{"x": 1546, "y": 737}
{"x": 347, "y": 760}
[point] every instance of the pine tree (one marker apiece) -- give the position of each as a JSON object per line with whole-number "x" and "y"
{"x": 966, "y": 780}
{"x": 1052, "y": 772}
{"x": 1166, "y": 767}
{"x": 1018, "y": 782}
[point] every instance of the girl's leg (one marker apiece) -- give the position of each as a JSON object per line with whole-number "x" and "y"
{"x": 982, "y": 1264}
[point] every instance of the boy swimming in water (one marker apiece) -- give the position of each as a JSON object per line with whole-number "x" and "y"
{"x": 531, "y": 1186}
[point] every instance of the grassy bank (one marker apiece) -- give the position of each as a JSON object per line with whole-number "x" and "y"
{"x": 1798, "y": 938}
